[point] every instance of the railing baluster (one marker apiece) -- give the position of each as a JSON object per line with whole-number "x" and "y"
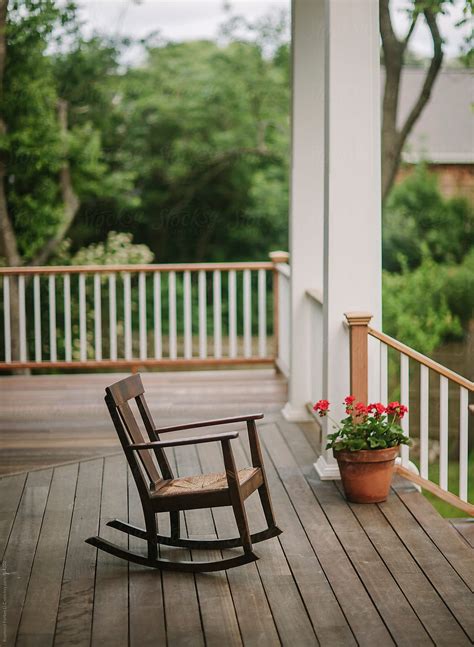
{"x": 97, "y": 318}
{"x": 217, "y": 312}
{"x": 172, "y": 314}
{"x": 247, "y": 313}
{"x": 112, "y": 316}
{"x": 404, "y": 398}
{"x": 232, "y": 314}
{"x": 157, "y": 314}
{"x": 383, "y": 373}
{"x": 22, "y": 317}
{"x": 463, "y": 443}
{"x": 424, "y": 418}
{"x": 37, "y": 319}
{"x": 188, "y": 333}
{"x": 443, "y": 432}
{"x": 127, "y": 314}
{"x": 142, "y": 314}
{"x": 262, "y": 313}
{"x": 7, "y": 334}
{"x": 67, "y": 318}
{"x": 202, "y": 314}
{"x": 82, "y": 318}
{"x": 53, "y": 354}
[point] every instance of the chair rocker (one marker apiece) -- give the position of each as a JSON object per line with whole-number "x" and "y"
{"x": 165, "y": 493}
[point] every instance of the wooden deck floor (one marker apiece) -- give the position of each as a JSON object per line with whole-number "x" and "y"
{"x": 394, "y": 573}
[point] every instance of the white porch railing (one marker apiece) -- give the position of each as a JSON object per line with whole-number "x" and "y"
{"x": 405, "y": 375}
{"x": 315, "y": 305}
{"x": 451, "y": 400}
{"x": 138, "y": 315}
{"x": 283, "y": 310}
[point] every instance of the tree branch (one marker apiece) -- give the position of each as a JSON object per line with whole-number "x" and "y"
{"x": 411, "y": 30}
{"x": 430, "y": 78}
{"x": 69, "y": 196}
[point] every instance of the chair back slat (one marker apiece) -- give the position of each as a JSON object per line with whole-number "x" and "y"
{"x": 160, "y": 455}
{"x": 118, "y": 396}
{"x": 137, "y": 437}
{"x": 124, "y": 390}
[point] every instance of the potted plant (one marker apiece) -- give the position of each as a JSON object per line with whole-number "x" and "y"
{"x": 365, "y": 445}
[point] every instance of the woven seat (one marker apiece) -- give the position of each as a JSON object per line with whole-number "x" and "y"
{"x": 202, "y": 482}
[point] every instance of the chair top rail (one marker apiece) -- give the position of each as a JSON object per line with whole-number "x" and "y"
{"x": 422, "y": 359}
{"x": 315, "y": 295}
{"x": 109, "y": 269}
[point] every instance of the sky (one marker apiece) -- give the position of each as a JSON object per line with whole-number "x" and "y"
{"x": 194, "y": 19}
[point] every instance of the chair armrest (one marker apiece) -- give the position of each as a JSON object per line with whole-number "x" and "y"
{"x": 161, "y": 444}
{"x": 210, "y": 423}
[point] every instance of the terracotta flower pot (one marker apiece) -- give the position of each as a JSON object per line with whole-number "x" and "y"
{"x": 367, "y": 473}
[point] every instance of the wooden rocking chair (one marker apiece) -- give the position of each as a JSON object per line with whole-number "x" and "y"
{"x": 168, "y": 494}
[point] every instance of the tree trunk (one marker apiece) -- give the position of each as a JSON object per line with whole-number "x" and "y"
{"x": 69, "y": 196}
{"x": 394, "y": 138}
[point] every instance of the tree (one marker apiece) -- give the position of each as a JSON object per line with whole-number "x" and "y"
{"x": 51, "y": 154}
{"x": 394, "y": 53}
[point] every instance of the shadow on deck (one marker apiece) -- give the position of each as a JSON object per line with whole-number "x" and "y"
{"x": 393, "y": 573}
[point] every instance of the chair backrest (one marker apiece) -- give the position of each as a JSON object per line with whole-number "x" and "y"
{"x": 142, "y": 463}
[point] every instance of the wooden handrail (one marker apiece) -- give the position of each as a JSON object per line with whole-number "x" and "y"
{"x": 422, "y": 359}
{"x": 429, "y": 486}
{"x": 109, "y": 269}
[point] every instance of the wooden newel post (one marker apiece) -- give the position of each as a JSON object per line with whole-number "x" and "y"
{"x": 359, "y": 354}
{"x": 277, "y": 258}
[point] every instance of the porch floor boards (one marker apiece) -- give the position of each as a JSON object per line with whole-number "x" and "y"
{"x": 340, "y": 574}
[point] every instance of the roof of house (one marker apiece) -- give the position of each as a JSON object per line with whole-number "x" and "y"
{"x": 444, "y": 133}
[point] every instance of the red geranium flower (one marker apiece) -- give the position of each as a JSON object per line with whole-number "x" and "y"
{"x": 322, "y": 407}
{"x": 361, "y": 409}
{"x": 377, "y": 408}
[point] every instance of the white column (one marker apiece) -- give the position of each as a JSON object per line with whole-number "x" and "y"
{"x": 335, "y": 223}
{"x": 352, "y": 213}
{"x": 307, "y": 191}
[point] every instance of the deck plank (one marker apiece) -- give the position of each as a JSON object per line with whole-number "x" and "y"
{"x": 465, "y": 527}
{"x": 11, "y": 490}
{"x": 254, "y": 615}
{"x": 449, "y": 585}
{"x": 282, "y": 592}
{"x": 110, "y": 616}
{"x": 146, "y": 605}
{"x": 20, "y": 552}
{"x": 215, "y": 599}
{"x": 427, "y": 604}
{"x": 327, "y": 617}
{"x": 38, "y": 621}
{"x": 443, "y": 535}
{"x": 360, "y": 611}
{"x": 180, "y": 592}
{"x": 74, "y": 620}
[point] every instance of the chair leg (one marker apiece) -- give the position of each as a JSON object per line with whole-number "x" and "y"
{"x": 174, "y": 525}
{"x": 236, "y": 497}
{"x": 151, "y": 532}
{"x": 266, "y": 504}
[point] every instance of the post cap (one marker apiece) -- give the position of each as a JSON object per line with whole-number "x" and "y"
{"x": 279, "y": 257}
{"x": 358, "y": 318}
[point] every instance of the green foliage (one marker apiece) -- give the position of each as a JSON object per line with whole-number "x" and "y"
{"x": 371, "y": 432}
{"x": 117, "y": 249}
{"x": 32, "y": 142}
{"x": 416, "y": 215}
{"x": 415, "y": 306}
{"x": 205, "y": 130}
